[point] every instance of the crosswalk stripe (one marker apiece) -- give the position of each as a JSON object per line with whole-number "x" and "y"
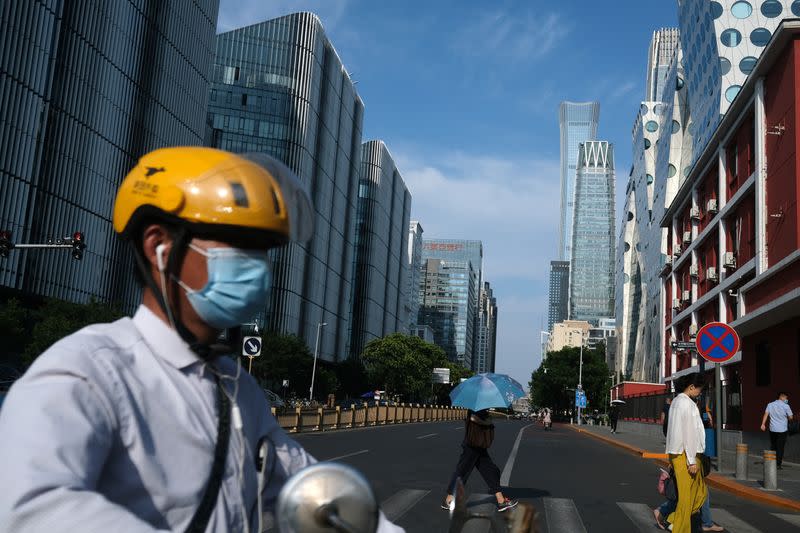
{"x": 562, "y": 516}
{"x": 399, "y": 503}
{"x": 640, "y": 514}
{"x": 732, "y": 523}
{"x": 793, "y": 519}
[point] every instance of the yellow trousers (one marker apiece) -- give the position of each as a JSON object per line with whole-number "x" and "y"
{"x": 692, "y": 492}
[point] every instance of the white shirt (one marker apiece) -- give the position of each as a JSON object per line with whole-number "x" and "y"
{"x": 779, "y": 413}
{"x": 114, "y": 427}
{"x": 685, "y": 433}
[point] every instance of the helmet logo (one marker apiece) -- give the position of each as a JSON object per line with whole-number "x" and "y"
{"x": 153, "y": 170}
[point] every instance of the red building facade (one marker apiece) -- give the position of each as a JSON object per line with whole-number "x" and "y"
{"x": 734, "y": 234}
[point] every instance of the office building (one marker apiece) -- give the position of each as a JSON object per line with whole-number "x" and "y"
{"x": 558, "y": 297}
{"x": 569, "y": 333}
{"x": 663, "y": 46}
{"x": 722, "y": 41}
{"x": 380, "y": 285}
{"x": 414, "y": 256}
{"x": 449, "y": 300}
{"x": 85, "y": 92}
{"x": 279, "y": 87}
{"x": 486, "y": 345}
{"x": 578, "y": 124}
{"x": 592, "y": 266}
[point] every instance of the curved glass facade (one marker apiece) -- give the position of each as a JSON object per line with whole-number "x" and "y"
{"x": 85, "y": 91}
{"x": 380, "y": 283}
{"x": 279, "y": 87}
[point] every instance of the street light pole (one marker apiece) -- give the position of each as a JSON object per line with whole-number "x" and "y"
{"x": 314, "y": 368}
{"x": 580, "y": 379}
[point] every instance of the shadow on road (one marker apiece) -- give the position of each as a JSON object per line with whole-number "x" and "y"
{"x": 521, "y": 492}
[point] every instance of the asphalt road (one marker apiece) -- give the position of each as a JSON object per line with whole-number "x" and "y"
{"x": 576, "y": 483}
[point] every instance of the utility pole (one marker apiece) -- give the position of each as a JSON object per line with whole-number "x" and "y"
{"x": 580, "y": 380}
{"x": 314, "y": 368}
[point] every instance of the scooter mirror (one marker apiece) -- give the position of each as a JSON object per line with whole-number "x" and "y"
{"x": 326, "y": 498}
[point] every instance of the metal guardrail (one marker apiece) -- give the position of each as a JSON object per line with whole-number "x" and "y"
{"x": 325, "y": 419}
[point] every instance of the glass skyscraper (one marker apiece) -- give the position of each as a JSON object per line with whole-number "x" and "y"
{"x": 578, "y": 124}
{"x": 414, "y": 267}
{"x": 592, "y": 265}
{"x": 450, "y": 291}
{"x": 558, "y": 298}
{"x": 663, "y": 47}
{"x": 279, "y": 87}
{"x": 86, "y": 89}
{"x": 486, "y": 334}
{"x": 380, "y": 285}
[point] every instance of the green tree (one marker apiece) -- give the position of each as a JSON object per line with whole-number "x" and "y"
{"x": 551, "y": 383}
{"x": 402, "y": 365}
{"x": 58, "y": 318}
{"x": 284, "y": 357}
{"x": 352, "y": 377}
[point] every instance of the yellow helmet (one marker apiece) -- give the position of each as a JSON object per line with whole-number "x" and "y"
{"x": 213, "y": 192}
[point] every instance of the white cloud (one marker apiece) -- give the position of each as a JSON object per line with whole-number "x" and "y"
{"x": 512, "y": 205}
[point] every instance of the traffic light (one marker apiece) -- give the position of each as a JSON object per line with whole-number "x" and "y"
{"x": 78, "y": 245}
{"x": 5, "y": 243}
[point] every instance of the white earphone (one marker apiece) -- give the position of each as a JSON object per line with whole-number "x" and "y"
{"x": 160, "y": 257}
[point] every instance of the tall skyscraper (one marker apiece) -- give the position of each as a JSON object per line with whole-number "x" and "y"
{"x": 451, "y": 280}
{"x": 414, "y": 268}
{"x": 578, "y": 124}
{"x": 280, "y": 88}
{"x": 85, "y": 92}
{"x": 486, "y": 346}
{"x": 380, "y": 285}
{"x": 721, "y": 43}
{"x": 558, "y": 300}
{"x": 663, "y": 46}
{"x": 592, "y": 266}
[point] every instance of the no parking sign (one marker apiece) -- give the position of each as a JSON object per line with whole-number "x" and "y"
{"x": 717, "y": 342}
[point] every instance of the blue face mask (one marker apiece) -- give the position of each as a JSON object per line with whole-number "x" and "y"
{"x": 237, "y": 288}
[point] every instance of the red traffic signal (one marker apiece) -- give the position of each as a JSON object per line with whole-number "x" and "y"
{"x": 5, "y": 243}
{"x": 78, "y": 245}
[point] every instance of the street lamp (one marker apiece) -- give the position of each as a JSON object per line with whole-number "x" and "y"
{"x": 314, "y": 368}
{"x": 580, "y": 379}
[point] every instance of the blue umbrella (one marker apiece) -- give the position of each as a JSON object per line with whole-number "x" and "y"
{"x": 483, "y": 391}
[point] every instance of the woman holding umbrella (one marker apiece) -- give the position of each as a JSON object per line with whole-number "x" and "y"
{"x": 478, "y": 394}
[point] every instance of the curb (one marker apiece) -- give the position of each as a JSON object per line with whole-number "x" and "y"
{"x": 713, "y": 480}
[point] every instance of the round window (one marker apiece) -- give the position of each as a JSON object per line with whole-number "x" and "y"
{"x": 643, "y": 109}
{"x": 741, "y": 10}
{"x": 716, "y": 10}
{"x": 771, "y": 9}
{"x": 760, "y": 36}
{"x": 647, "y": 144}
{"x": 724, "y": 65}
{"x": 679, "y": 83}
{"x": 671, "y": 171}
{"x": 747, "y": 64}
{"x": 731, "y": 92}
{"x": 676, "y": 127}
{"x": 691, "y": 128}
{"x": 658, "y": 109}
{"x": 630, "y": 215}
{"x": 626, "y": 278}
{"x": 796, "y": 8}
{"x": 731, "y": 37}
{"x": 651, "y": 126}
{"x": 686, "y": 171}
{"x": 627, "y": 246}
{"x": 649, "y": 179}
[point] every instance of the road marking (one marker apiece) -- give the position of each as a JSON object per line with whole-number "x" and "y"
{"x": 562, "y": 516}
{"x": 347, "y": 455}
{"x": 399, "y": 503}
{"x": 640, "y": 514}
{"x": 426, "y": 436}
{"x": 504, "y": 479}
{"x": 731, "y": 522}
{"x": 793, "y": 519}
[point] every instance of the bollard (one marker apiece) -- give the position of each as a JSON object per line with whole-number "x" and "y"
{"x": 741, "y": 461}
{"x": 770, "y": 470}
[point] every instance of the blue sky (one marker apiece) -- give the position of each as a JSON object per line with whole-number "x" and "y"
{"x": 466, "y": 94}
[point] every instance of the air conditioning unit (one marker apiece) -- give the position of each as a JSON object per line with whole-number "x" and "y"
{"x": 694, "y": 213}
{"x": 668, "y": 260}
{"x": 694, "y": 271}
{"x": 729, "y": 260}
{"x": 687, "y": 237}
{"x": 676, "y": 250}
{"x": 711, "y": 274}
{"x": 711, "y": 206}
{"x": 686, "y": 296}
{"x": 693, "y": 330}
{"x": 676, "y": 303}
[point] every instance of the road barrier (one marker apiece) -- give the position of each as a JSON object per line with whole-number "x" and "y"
{"x": 770, "y": 470}
{"x": 325, "y": 419}
{"x": 741, "y": 460}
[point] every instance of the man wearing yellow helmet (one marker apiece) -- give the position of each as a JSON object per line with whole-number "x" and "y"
{"x": 139, "y": 425}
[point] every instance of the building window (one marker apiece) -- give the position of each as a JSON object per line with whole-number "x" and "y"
{"x": 747, "y": 64}
{"x": 731, "y": 92}
{"x": 724, "y": 65}
{"x": 762, "y": 364}
{"x": 741, "y": 10}
{"x": 796, "y": 8}
{"x": 771, "y": 9}
{"x": 760, "y": 36}
{"x": 671, "y": 170}
{"x": 716, "y": 10}
{"x": 651, "y": 126}
{"x": 731, "y": 37}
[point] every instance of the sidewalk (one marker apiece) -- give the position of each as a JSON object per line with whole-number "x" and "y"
{"x": 787, "y": 495}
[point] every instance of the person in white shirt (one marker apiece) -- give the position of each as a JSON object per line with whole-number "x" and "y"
{"x": 779, "y": 414}
{"x": 685, "y": 440}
